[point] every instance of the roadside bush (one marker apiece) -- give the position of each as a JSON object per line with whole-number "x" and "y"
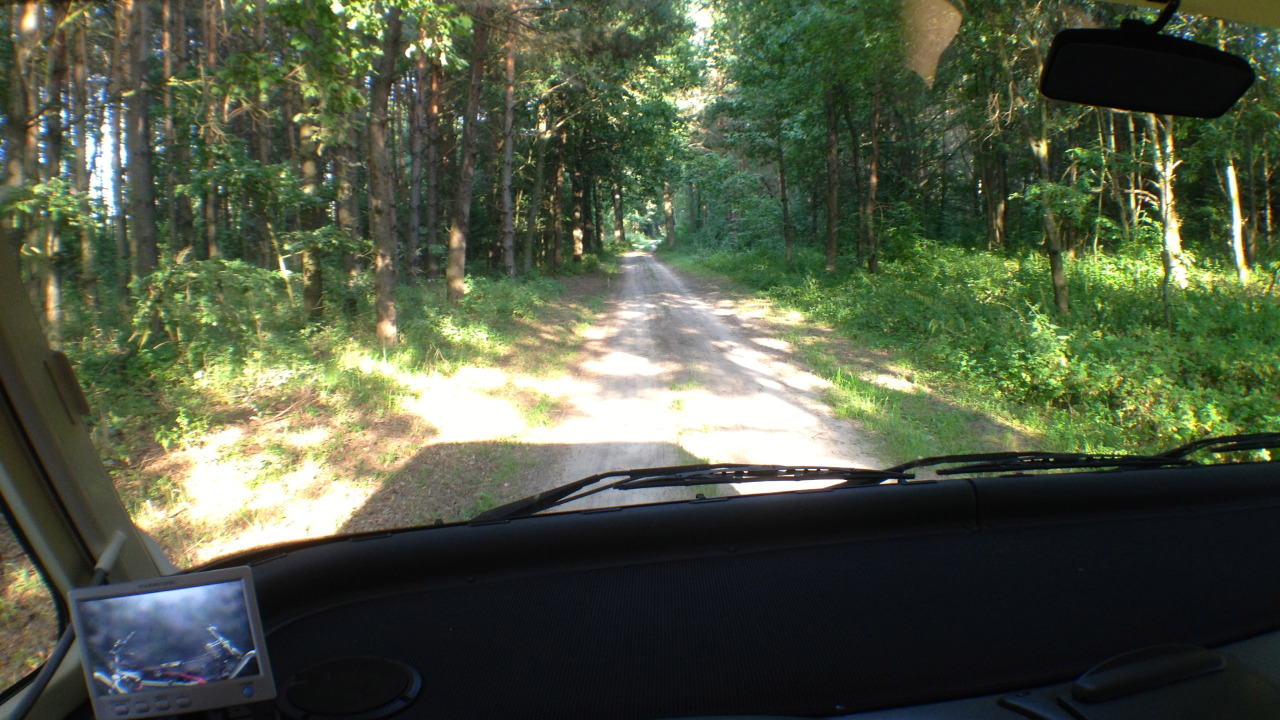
{"x": 213, "y": 335}
{"x": 209, "y": 308}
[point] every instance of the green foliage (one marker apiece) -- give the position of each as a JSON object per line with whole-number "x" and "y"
{"x": 492, "y": 299}
{"x": 210, "y": 309}
{"x": 54, "y": 197}
{"x": 1112, "y": 376}
{"x": 213, "y": 336}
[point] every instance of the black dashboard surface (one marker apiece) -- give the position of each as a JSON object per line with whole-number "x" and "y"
{"x": 811, "y": 604}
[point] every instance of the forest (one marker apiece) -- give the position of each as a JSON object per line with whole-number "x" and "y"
{"x": 209, "y": 189}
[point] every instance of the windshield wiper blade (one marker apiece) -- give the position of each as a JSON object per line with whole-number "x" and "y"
{"x": 977, "y": 463}
{"x": 682, "y": 476}
{"x": 1227, "y": 443}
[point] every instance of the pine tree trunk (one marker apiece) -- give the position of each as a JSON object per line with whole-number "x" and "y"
{"x": 669, "y": 213}
{"x": 1267, "y": 205}
{"x": 417, "y": 130}
{"x": 57, "y": 80}
{"x": 619, "y": 228}
{"x": 595, "y": 222}
{"x": 995, "y": 193}
{"x": 312, "y": 219}
{"x": 873, "y": 184}
{"x": 142, "y": 221}
{"x": 788, "y": 230}
{"x": 833, "y": 183}
{"x": 508, "y": 152}
{"x": 211, "y": 200}
{"x": 115, "y": 100}
{"x": 347, "y": 215}
{"x": 1049, "y": 218}
{"x": 22, "y": 141}
{"x": 169, "y": 21}
{"x": 557, "y": 203}
{"x": 382, "y": 210}
{"x": 456, "y": 268}
{"x": 433, "y": 167}
{"x": 577, "y": 194}
{"x": 539, "y": 179}
{"x": 80, "y": 163}
{"x": 1251, "y": 233}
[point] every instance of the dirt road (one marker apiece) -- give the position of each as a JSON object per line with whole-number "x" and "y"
{"x": 670, "y": 376}
{"x": 675, "y": 371}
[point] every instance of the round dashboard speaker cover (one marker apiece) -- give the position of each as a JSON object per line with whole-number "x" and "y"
{"x": 354, "y": 688}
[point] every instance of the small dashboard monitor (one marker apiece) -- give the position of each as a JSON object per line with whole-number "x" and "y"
{"x": 173, "y": 645}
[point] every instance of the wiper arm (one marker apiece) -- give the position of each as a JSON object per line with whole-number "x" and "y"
{"x": 719, "y": 474}
{"x": 978, "y": 463}
{"x": 682, "y": 476}
{"x": 1227, "y": 443}
{"x": 968, "y": 464}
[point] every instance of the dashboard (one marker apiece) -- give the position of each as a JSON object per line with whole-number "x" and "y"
{"x": 927, "y": 599}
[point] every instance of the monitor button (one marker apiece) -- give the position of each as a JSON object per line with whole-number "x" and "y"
{"x": 182, "y": 702}
{"x": 121, "y": 709}
{"x": 161, "y": 704}
{"x": 141, "y": 706}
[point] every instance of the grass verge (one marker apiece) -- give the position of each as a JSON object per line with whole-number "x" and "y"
{"x": 280, "y": 434}
{"x": 962, "y": 351}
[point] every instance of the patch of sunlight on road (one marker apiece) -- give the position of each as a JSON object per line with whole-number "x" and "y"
{"x": 463, "y": 410}
{"x": 221, "y": 492}
{"x": 466, "y": 406}
{"x": 321, "y": 515}
{"x": 624, "y": 364}
{"x": 711, "y": 430}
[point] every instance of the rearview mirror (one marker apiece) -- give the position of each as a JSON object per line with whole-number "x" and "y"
{"x": 1143, "y": 72}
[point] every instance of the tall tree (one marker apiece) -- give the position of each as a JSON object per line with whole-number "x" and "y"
{"x": 142, "y": 221}
{"x": 436, "y": 75}
{"x": 211, "y": 127}
{"x": 313, "y": 218}
{"x": 417, "y": 150}
{"x": 509, "y": 147}
{"x": 22, "y": 141}
{"x": 833, "y": 179}
{"x": 669, "y": 213}
{"x": 456, "y": 269}
{"x": 84, "y": 139}
{"x": 382, "y": 209}
{"x": 54, "y": 226}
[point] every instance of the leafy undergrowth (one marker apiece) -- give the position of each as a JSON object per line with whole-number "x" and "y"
{"x": 229, "y": 428}
{"x": 1112, "y": 376}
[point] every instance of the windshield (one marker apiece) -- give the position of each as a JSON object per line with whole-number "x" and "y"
{"x": 333, "y": 268}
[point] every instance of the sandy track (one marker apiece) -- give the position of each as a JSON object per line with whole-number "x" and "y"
{"x": 669, "y": 377}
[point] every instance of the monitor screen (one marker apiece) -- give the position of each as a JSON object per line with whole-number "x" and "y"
{"x": 172, "y": 645}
